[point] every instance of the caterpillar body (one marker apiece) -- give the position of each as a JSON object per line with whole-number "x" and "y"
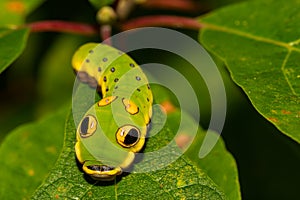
{"x": 114, "y": 128}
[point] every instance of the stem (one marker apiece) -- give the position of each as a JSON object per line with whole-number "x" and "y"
{"x": 90, "y": 30}
{"x": 162, "y": 20}
{"x": 63, "y": 26}
{"x": 105, "y": 33}
{"x": 181, "y": 5}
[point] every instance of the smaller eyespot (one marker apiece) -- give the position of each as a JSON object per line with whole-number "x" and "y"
{"x": 131, "y": 65}
{"x": 104, "y": 79}
{"x": 104, "y": 59}
{"x": 138, "y": 78}
{"x": 88, "y": 126}
{"x": 112, "y": 69}
{"x": 127, "y": 136}
{"x": 99, "y": 69}
{"x": 87, "y": 60}
{"x": 116, "y": 80}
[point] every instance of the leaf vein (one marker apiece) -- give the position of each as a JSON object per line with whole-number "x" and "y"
{"x": 289, "y": 46}
{"x": 285, "y": 75}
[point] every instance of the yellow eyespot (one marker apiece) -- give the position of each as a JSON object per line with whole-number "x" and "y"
{"x": 128, "y": 136}
{"x": 106, "y": 101}
{"x": 88, "y": 126}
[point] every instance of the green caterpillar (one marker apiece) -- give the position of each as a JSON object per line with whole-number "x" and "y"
{"x": 113, "y": 129}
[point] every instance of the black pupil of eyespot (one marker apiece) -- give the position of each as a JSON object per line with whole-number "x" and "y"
{"x": 84, "y": 126}
{"x": 100, "y": 168}
{"x": 94, "y": 167}
{"x": 131, "y": 137}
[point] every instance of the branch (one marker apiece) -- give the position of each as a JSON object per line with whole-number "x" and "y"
{"x": 90, "y": 30}
{"x": 162, "y": 20}
{"x": 105, "y": 33}
{"x": 63, "y": 26}
{"x": 180, "y": 5}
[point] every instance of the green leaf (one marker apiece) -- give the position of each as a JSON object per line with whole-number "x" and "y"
{"x": 226, "y": 177}
{"x": 12, "y": 40}
{"x": 27, "y": 155}
{"x": 259, "y": 41}
{"x": 219, "y": 164}
{"x": 181, "y": 179}
{"x": 12, "y": 43}
{"x": 100, "y": 3}
{"x": 178, "y": 180}
{"x": 14, "y": 12}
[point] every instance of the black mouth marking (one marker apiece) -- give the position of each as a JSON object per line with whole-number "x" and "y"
{"x": 100, "y": 168}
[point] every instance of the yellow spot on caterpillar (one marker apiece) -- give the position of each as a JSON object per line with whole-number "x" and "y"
{"x": 130, "y": 107}
{"x": 106, "y": 101}
{"x": 16, "y": 7}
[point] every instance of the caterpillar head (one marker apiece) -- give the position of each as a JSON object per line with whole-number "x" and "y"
{"x": 107, "y": 140}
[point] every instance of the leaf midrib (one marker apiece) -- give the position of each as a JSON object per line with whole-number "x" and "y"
{"x": 289, "y": 46}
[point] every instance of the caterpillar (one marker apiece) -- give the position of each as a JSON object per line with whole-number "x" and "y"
{"x": 114, "y": 128}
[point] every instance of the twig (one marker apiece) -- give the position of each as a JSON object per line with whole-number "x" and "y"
{"x": 89, "y": 30}
{"x": 63, "y": 26}
{"x": 105, "y": 33}
{"x": 180, "y": 5}
{"x": 162, "y": 20}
